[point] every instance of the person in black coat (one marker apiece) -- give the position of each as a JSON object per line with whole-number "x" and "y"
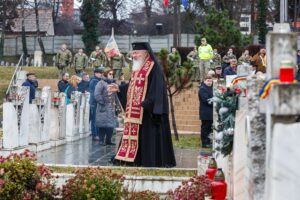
{"x": 32, "y": 83}
{"x": 206, "y": 110}
{"x": 83, "y": 86}
{"x": 63, "y": 83}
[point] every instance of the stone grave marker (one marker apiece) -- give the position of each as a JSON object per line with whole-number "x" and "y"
{"x": 38, "y": 58}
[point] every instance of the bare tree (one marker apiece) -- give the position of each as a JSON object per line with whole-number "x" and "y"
{"x": 38, "y": 33}
{"x": 8, "y": 12}
{"x": 113, "y": 8}
{"x": 148, "y": 8}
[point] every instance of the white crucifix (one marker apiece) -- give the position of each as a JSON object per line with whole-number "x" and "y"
{"x": 140, "y": 79}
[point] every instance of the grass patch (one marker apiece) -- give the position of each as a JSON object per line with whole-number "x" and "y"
{"x": 187, "y": 142}
{"x": 134, "y": 171}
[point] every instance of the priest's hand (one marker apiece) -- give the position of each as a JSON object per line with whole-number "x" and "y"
{"x": 112, "y": 88}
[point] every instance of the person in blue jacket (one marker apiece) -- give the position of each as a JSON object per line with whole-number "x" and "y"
{"x": 32, "y": 83}
{"x": 206, "y": 110}
{"x": 231, "y": 69}
{"x": 98, "y": 75}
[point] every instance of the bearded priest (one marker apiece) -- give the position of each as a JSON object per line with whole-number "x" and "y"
{"x": 146, "y": 140}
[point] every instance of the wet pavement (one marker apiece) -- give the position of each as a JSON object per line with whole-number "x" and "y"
{"x": 88, "y": 152}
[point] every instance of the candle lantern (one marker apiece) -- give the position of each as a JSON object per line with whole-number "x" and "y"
{"x": 219, "y": 186}
{"x": 286, "y": 73}
{"x": 212, "y": 169}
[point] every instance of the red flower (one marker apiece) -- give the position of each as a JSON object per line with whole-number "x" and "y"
{"x": 222, "y": 90}
{"x": 237, "y": 90}
{"x": 38, "y": 186}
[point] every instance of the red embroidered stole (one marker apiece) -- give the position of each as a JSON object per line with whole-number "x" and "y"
{"x": 134, "y": 112}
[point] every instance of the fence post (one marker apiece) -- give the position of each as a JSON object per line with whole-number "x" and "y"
{"x": 129, "y": 44}
{"x": 52, "y": 44}
{"x": 16, "y": 46}
{"x": 34, "y": 44}
{"x": 72, "y": 42}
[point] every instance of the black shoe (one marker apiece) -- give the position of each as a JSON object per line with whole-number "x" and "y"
{"x": 110, "y": 143}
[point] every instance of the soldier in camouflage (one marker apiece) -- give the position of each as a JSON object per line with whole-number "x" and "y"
{"x": 245, "y": 58}
{"x": 98, "y": 58}
{"x": 193, "y": 56}
{"x": 173, "y": 56}
{"x": 217, "y": 59}
{"x": 117, "y": 63}
{"x": 63, "y": 59}
{"x": 80, "y": 62}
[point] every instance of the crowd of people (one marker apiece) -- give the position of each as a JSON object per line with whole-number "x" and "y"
{"x": 143, "y": 98}
{"x": 212, "y": 67}
{"x": 80, "y": 61}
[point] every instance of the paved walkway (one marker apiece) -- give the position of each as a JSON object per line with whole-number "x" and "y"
{"x": 88, "y": 152}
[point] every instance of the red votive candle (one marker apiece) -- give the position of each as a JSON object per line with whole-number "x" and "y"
{"x": 286, "y": 73}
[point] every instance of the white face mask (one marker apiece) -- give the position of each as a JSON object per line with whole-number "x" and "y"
{"x": 137, "y": 64}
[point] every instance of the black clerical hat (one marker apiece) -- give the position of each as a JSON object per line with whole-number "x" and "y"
{"x": 140, "y": 46}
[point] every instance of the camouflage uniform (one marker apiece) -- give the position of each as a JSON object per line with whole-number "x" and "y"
{"x": 244, "y": 59}
{"x": 80, "y": 62}
{"x": 117, "y": 63}
{"x": 193, "y": 56}
{"x": 128, "y": 59}
{"x": 228, "y": 57}
{"x": 63, "y": 60}
{"x": 217, "y": 60}
{"x": 98, "y": 58}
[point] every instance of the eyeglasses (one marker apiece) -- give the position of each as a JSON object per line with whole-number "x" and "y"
{"x": 110, "y": 74}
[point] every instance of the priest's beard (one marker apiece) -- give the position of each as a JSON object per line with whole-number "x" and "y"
{"x": 137, "y": 64}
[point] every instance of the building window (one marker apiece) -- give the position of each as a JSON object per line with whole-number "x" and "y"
{"x": 244, "y": 29}
{"x": 244, "y": 19}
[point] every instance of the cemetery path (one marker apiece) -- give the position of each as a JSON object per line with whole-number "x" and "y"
{"x": 88, "y": 152}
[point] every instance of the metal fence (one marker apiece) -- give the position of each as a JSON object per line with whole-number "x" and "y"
{"x": 13, "y": 46}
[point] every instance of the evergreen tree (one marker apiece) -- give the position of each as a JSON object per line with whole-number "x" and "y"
{"x": 262, "y": 28}
{"x": 90, "y": 18}
{"x": 220, "y": 31}
{"x": 177, "y": 79}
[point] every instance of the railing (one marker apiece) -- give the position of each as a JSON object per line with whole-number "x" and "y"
{"x": 14, "y": 77}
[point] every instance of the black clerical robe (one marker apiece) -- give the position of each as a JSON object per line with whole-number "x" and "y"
{"x": 155, "y": 147}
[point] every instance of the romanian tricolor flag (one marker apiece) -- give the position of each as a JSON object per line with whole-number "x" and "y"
{"x": 265, "y": 90}
{"x": 111, "y": 48}
{"x": 237, "y": 79}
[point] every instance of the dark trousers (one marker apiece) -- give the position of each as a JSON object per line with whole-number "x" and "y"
{"x": 105, "y": 132}
{"x": 206, "y": 129}
{"x": 94, "y": 129}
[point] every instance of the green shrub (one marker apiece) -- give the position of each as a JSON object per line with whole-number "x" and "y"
{"x": 94, "y": 184}
{"x": 21, "y": 178}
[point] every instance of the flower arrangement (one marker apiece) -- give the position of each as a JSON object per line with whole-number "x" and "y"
{"x": 193, "y": 189}
{"x": 226, "y": 104}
